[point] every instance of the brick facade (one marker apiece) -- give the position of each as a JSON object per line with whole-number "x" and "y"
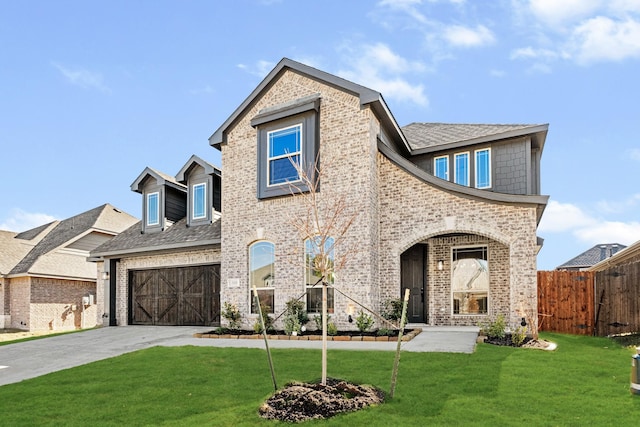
{"x": 395, "y": 211}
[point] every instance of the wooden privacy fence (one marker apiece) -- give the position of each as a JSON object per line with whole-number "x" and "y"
{"x": 566, "y": 302}
{"x": 589, "y": 303}
{"x": 618, "y": 300}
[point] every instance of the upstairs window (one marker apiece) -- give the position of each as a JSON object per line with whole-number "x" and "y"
{"x": 317, "y": 253}
{"x": 261, "y": 274}
{"x": 153, "y": 209}
{"x": 483, "y": 168}
{"x": 461, "y": 161}
{"x": 284, "y": 155}
{"x": 199, "y": 201}
{"x": 441, "y": 167}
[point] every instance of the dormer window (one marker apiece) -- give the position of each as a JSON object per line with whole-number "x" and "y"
{"x": 199, "y": 203}
{"x": 153, "y": 208}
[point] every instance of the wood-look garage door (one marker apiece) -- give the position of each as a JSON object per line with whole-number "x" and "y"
{"x": 177, "y": 296}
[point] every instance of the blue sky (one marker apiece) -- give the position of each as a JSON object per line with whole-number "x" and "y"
{"x": 93, "y": 92}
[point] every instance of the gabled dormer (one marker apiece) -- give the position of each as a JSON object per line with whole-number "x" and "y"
{"x": 164, "y": 200}
{"x": 203, "y": 183}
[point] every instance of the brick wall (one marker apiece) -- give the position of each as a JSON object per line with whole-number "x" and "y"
{"x": 57, "y": 305}
{"x": 347, "y": 152}
{"x": 175, "y": 259}
{"x": 412, "y": 211}
{"x": 20, "y": 296}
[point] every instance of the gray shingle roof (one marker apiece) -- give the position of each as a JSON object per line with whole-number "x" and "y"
{"x": 175, "y": 236}
{"x": 592, "y": 256}
{"x": 105, "y": 218}
{"x": 425, "y": 135}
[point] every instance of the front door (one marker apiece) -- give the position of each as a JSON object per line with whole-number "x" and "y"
{"x": 412, "y": 272}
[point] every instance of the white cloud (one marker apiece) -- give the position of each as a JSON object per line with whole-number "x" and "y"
{"x": 20, "y": 220}
{"x": 634, "y": 153}
{"x": 534, "y": 53}
{"x": 559, "y": 12}
{"x": 83, "y": 78}
{"x": 406, "y": 6}
{"x": 603, "y": 39}
{"x": 379, "y": 68}
{"x": 569, "y": 218}
{"x": 625, "y": 205}
{"x": 261, "y": 68}
{"x": 461, "y": 36}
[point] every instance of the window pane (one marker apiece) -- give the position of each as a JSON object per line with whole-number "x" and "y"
{"x": 470, "y": 280}
{"x": 282, "y": 170}
{"x": 284, "y": 142}
{"x": 442, "y": 167}
{"x": 266, "y": 300}
{"x": 483, "y": 169}
{"x": 314, "y": 299}
{"x": 153, "y": 209}
{"x": 199, "y": 201}
{"x": 462, "y": 169}
{"x": 261, "y": 263}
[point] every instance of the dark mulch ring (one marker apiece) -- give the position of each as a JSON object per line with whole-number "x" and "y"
{"x": 505, "y": 341}
{"x": 299, "y": 402}
{"x": 630, "y": 339}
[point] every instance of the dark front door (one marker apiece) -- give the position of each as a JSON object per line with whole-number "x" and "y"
{"x": 412, "y": 271}
{"x": 175, "y": 296}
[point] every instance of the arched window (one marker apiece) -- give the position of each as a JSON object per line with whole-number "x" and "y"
{"x": 316, "y": 254}
{"x": 261, "y": 274}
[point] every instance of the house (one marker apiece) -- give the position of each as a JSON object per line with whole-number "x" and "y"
{"x": 591, "y": 257}
{"x": 449, "y": 211}
{"x": 165, "y": 269}
{"x": 624, "y": 255}
{"x": 46, "y": 282}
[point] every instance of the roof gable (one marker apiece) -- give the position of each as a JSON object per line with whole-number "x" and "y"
{"x": 367, "y": 97}
{"x": 592, "y": 256}
{"x": 183, "y": 173}
{"x": 160, "y": 178}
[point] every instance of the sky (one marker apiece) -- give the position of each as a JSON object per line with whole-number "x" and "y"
{"x": 91, "y": 93}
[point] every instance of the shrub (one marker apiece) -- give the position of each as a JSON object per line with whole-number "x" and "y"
{"x": 519, "y": 335}
{"x": 295, "y": 316}
{"x": 318, "y": 321}
{"x": 392, "y": 309}
{"x": 495, "y": 329}
{"x": 232, "y": 315}
{"x": 332, "y": 329}
{"x": 268, "y": 321}
{"x": 384, "y": 332}
{"x": 364, "y": 321}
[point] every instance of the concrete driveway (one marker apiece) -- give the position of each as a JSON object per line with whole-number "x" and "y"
{"x": 30, "y": 359}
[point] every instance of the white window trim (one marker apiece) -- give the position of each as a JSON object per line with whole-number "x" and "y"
{"x": 435, "y": 161}
{"x": 193, "y": 201}
{"x": 149, "y": 195}
{"x": 286, "y": 155}
{"x": 488, "y": 149}
{"x": 455, "y": 167}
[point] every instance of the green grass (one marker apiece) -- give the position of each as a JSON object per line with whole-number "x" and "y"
{"x": 584, "y": 382}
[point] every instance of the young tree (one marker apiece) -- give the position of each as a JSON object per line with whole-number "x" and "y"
{"x": 323, "y": 226}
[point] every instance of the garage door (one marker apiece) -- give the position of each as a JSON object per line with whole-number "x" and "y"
{"x": 178, "y": 296}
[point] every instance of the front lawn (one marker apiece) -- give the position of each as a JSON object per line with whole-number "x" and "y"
{"x": 584, "y": 382}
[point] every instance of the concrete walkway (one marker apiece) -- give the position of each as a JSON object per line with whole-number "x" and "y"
{"x": 30, "y": 359}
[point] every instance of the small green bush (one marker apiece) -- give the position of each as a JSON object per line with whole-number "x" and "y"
{"x": 519, "y": 335}
{"x": 232, "y": 315}
{"x": 268, "y": 321}
{"x": 318, "y": 321}
{"x": 295, "y": 316}
{"x": 364, "y": 321}
{"x": 392, "y": 309}
{"x": 384, "y": 332}
{"x": 495, "y": 329}
{"x": 332, "y": 329}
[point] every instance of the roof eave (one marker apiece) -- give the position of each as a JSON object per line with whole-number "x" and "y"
{"x": 117, "y": 253}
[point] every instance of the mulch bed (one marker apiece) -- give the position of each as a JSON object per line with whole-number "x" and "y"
{"x": 299, "y": 402}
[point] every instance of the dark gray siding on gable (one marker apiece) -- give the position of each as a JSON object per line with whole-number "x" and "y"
{"x": 175, "y": 204}
{"x": 511, "y": 167}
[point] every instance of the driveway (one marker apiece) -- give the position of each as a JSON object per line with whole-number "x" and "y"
{"x": 30, "y": 359}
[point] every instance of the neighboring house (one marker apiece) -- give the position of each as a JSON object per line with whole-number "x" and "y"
{"x": 448, "y": 211}
{"x": 625, "y": 255}
{"x": 46, "y": 282}
{"x": 164, "y": 270}
{"x": 591, "y": 257}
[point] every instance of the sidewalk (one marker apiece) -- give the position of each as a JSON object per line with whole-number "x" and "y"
{"x": 30, "y": 359}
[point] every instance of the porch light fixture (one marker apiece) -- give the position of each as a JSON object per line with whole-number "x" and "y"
{"x": 350, "y": 312}
{"x": 440, "y": 265}
{"x": 105, "y": 275}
